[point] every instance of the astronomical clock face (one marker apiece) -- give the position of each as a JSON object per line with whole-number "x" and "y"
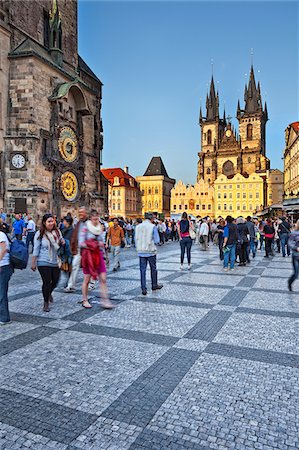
{"x": 69, "y": 186}
{"x": 68, "y": 144}
{"x": 228, "y": 133}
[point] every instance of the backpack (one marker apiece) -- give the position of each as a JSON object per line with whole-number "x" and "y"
{"x": 18, "y": 254}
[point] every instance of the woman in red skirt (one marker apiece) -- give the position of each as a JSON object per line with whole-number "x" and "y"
{"x": 92, "y": 247}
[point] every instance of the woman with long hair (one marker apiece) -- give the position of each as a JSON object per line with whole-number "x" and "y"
{"x": 293, "y": 244}
{"x": 184, "y": 226}
{"x": 93, "y": 264}
{"x": 47, "y": 242}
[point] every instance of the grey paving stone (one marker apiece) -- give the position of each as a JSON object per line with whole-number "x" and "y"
{"x": 139, "y": 403}
{"x": 256, "y": 271}
{"x": 50, "y": 420}
{"x": 125, "y": 334}
{"x": 153, "y": 440}
{"x": 24, "y": 294}
{"x": 253, "y": 354}
{"x": 269, "y": 312}
{"x": 209, "y": 326}
{"x": 147, "y": 299}
{"x": 247, "y": 282}
{"x": 23, "y": 339}
{"x": 28, "y": 318}
{"x": 233, "y": 298}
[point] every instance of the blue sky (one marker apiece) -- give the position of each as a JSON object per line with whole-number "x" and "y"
{"x": 154, "y": 59}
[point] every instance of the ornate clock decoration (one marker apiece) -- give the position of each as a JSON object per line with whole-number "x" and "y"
{"x": 69, "y": 186}
{"x": 18, "y": 161}
{"x": 68, "y": 144}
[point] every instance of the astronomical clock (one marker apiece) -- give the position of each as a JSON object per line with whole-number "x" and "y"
{"x": 69, "y": 150}
{"x": 68, "y": 144}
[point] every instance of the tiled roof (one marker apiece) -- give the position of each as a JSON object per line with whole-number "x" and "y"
{"x": 156, "y": 167}
{"x": 124, "y": 177}
{"x": 295, "y": 126}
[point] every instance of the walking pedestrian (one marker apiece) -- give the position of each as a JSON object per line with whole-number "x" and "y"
{"x": 252, "y": 238}
{"x": 76, "y": 262}
{"x": 5, "y": 274}
{"x": 92, "y": 248}
{"x": 30, "y": 232}
{"x": 284, "y": 230}
{"x": 243, "y": 233}
{"x": 146, "y": 239}
{"x": 220, "y": 229}
{"x": 184, "y": 226}
{"x": 47, "y": 242}
{"x": 18, "y": 227}
{"x": 230, "y": 240}
{"x": 204, "y": 232}
{"x": 269, "y": 236}
{"x": 293, "y": 244}
{"x": 115, "y": 240}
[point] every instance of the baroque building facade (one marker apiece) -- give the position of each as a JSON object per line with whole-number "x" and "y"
{"x": 291, "y": 169}
{"x": 124, "y": 196}
{"x": 155, "y": 186}
{"x": 226, "y": 152}
{"x": 197, "y": 199}
{"x": 50, "y": 112}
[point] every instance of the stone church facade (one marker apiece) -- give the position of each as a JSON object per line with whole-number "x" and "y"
{"x": 50, "y": 112}
{"x": 226, "y": 152}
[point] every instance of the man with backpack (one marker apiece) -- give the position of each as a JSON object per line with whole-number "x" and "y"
{"x": 5, "y": 274}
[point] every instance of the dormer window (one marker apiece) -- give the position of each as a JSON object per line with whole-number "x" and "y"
{"x": 131, "y": 181}
{"x": 116, "y": 181}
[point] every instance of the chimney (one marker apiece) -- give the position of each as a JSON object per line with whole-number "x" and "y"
{"x": 126, "y": 169}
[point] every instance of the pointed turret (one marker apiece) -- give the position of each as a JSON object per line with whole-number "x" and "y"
{"x": 212, "y": 103}
{"x": 266, "y": 112}
{"x": 224, "y": 118}
{"x": 252, "y": 95}
{"x": 238, "y": 110}
{"x": 200, "y": 115}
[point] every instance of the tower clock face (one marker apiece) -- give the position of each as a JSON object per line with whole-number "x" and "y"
{"x": 18, "y": 161}
{"x": 69, "y": 186}
{"x": 228, "y": 133}
{"x": 68, "y": 144}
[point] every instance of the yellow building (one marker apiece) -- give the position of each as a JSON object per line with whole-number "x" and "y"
{"x": 124, "y": 198}
{"x": 274, "y": 187}
{"x": 239, "y": 196}
{"x": 155, "y": 186}
{"x": 197, "y": 199}
{"x": 291, "y": 169}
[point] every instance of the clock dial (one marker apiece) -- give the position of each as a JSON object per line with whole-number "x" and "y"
{"x": 228, "y": 133}
{"x": 18, "y": 161}
{"x": 69, "y": 186}
{"x": 68, "y": 144}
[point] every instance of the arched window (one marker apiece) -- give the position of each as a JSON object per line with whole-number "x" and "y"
{"x": 149, "y": 205}
{"x": 208, "y": 171}
{"x": 249, "y": 159}
{"x": 209, "y": 137}
{"x": 156, "y": 190}
{"x": 149, "y": 190}
{"x": 249, "y": 132}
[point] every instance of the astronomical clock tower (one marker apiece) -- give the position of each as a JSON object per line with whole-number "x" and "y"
{"x": 50, "y": 113}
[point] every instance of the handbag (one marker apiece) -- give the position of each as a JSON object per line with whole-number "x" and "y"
{"x": 192, "y": 233}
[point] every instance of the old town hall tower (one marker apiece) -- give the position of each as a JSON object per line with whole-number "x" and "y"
{"x": 223, "y": 150}
{"x": 50, "y": 112}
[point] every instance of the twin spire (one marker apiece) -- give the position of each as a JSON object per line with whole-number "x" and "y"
{"x": 252, "y": 99}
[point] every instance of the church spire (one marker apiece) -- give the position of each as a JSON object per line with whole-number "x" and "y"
{"x": 252, "y": 95}
{"x": 238, "y": 110}
{"x": 212, "y": 103}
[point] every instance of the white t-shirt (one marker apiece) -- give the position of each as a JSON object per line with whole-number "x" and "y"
{"x": 31, "y": 226}
{"x": 5, "y": 260}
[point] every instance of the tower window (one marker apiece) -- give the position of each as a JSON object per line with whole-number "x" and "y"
{"x": 209, "y": 137}
{"x": 249, "y": 132}
{"x": 208, "y": 171}
{"x": 249, "y": 159}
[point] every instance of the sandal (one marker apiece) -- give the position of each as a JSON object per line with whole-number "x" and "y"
{"x": 86, "y": 304}
{"x": 106, "y": 304}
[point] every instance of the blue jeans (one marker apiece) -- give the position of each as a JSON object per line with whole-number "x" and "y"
{"x": 30, "y": 238}
{"x": 5, "y": 274}
{"x": 295, "y": 275}
{"x": 154, "y": 274}
{"x": 284, "y": 237}
{"x": 186, "y": 244}
{"x": 230, "y": 256}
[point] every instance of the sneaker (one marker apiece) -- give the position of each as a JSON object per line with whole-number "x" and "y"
{"x": 290, "y": 286}
{"x": 91, "y": 286}
{"x": 182, "y": 267}
{"x": 114, "y": 269}
{"x": 144, "y": 291}
{"x": 69, "y": 290}
{"x": 225, "y": 269}
{"x": 189, "y": 266}
{"x": 5, "y": 323}
{"x": 232, "y": 269}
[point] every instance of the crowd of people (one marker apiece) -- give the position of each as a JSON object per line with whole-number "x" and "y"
{"x": 61, "y": 247}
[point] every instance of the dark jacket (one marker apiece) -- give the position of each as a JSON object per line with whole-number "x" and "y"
{"x": 284, "y": 227}
{"x": 232, "y": 234}
{"x": 251, "y": 229}
{"x": 243, "y": 232}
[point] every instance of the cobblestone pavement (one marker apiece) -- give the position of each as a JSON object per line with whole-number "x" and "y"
{"x": 211, "y": 361}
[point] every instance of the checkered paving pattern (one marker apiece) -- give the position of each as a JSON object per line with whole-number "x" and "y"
{"x": 211, "y": 361}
